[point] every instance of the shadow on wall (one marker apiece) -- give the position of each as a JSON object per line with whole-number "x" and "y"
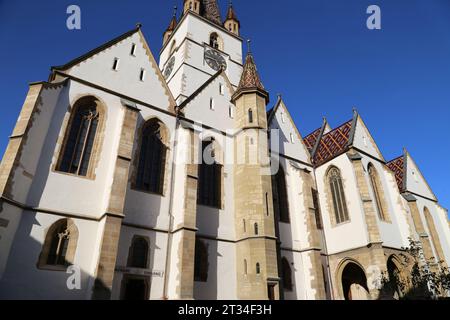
{"x": 25, "y": 278}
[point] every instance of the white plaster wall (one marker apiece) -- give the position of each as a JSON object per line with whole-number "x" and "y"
{"x": 299, "y": 285}
{"x": 23, "y": 280}
{"x": 415, "y": 181}
{"x": 78, "y": 195}
{"x": 199, "y": 108}
{"x": 352, "y": 234}
{"x": 439, "y": 221}
{"x": 295, "y": 234}
{"x": 221, "y": 284}
{"x": 394, "y": 234}
{"x": 364, "y": 141}
{"x": 143, "y": 208}
{"x": 157, "y": 260}
{"x": 7, "y": 235}
{"x": 297, "y": 149}
{"x": 98, "y": 70}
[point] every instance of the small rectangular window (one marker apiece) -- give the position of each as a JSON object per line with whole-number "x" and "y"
{"x": 133, "y": 49}
{"x": 211, "y": 104}
{"x": 230, "y": 112}
{"x": 221, "y": 89}
{"x": 116, "y": 64}
{"x": 142, "y": 75}
{"x": 292, "y": 138}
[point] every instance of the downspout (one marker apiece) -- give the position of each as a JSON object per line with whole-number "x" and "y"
{"x": 172, "y": 186}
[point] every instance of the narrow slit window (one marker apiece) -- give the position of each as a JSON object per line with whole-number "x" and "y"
{"x": 258, "y": 268}
{"x": 292, "y": 138}
{"x": 211, "y": 104}
{"x": 256, "y": 229}
{"x": 250, "y": 115}
{"x": 116, "y": 64}
{"x": 221, "y": 89}
{"x": 133, "y": 49}
{"x": 142, "y": 75}
{"x": 230, "y": 112}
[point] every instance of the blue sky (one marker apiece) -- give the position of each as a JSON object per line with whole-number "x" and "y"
{"x": 317, "y": 53}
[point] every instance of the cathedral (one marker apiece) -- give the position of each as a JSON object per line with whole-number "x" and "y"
{"x": 125, "y": 178}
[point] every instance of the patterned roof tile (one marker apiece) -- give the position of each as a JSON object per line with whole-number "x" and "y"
{"x": 397, "y": 166}
{"x": 333, "y": 143}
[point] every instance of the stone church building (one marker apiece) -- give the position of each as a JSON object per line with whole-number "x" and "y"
{"x": 181, "y": 180}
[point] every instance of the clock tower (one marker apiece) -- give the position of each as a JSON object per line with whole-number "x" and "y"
{"x": 198, "y": 46}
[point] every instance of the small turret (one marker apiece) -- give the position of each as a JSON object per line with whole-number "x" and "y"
{"x": 192, "y": 5}
{"x": 232, "y": 23}
{"x": 171, "y": 27}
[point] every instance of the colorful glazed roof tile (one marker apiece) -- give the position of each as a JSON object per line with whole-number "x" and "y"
{"x": 398, "y": 166}
{"x": 333, "y": 143}
{"x": 250, "y": 79}
{"x": 311, "y": 139}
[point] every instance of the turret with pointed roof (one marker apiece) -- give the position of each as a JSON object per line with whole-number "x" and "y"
{"x": 171, "y": 27}
{"x": 250, "y": 80}
{"x": 232, "y": 23}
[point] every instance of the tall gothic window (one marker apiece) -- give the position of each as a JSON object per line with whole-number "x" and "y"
{"x": 377, "y": 189}
{"x": 80, "y": 138}
{"x": 209, "y": 184}
{"x": 201, "y": 261}
{"x": 280, "y": 198}
{"x": 152, "y": 158}
{"x": 287, "y": 274}
{"x": 138, "y": 256}
{"x": 59, "y": 245}
{"x": 338, "y": 196}
{"x": 214, "y": 40}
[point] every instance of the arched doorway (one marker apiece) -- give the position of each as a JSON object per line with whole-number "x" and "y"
{"x": 354, "y": 283}
{"x": 395, "y": 279}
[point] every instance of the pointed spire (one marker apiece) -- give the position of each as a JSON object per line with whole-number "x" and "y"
{"x": 231, "y": 14}
{"x": 250, "y": 79}
{"x": 173, "y": 22}
{"x": 211, "y": 11}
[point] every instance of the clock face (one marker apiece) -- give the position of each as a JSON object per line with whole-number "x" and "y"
{"x": 169, "y": 68}
{"x": 215, "y": 60}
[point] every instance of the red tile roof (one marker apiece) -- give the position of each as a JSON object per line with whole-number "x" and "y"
{"x": 397, "y": 166}
{"x": 333, "y": 143}
{"x": 311, "y": 139}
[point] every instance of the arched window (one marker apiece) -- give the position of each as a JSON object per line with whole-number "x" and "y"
{"x": 201, "y": 261}
{"x": 250, "y": 116}
{"x": 59, "y": 245}
{"x": 258, "y": 268}
{"x": 256, "y": 229}
{"x": 214, "y": 40}
{"x": 80, "y": 138}
{"x": 280, "y": 198}
{"x": 287, "y": 274}
{"x": 439, "y": 254}
{"x": 138, "y": 255}
{"x": 338, "y": 196}
{"x": 377, "y": 189}
{"x": 152, "y": 158}
{"x": 210, "y": 178}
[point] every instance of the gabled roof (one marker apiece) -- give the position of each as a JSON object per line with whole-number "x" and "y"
{"x": 98, "y": 49}
{"x": 398, "y": 166}
{"x": 334, "y": 143}
{"x": 202, "y": 87}
{"x": 211, "y": 11}
{"x": 311, "y": 139}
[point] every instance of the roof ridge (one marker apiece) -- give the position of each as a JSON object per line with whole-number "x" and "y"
{"x": 98, "y": 49}
{"x": 200, "y": 89}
